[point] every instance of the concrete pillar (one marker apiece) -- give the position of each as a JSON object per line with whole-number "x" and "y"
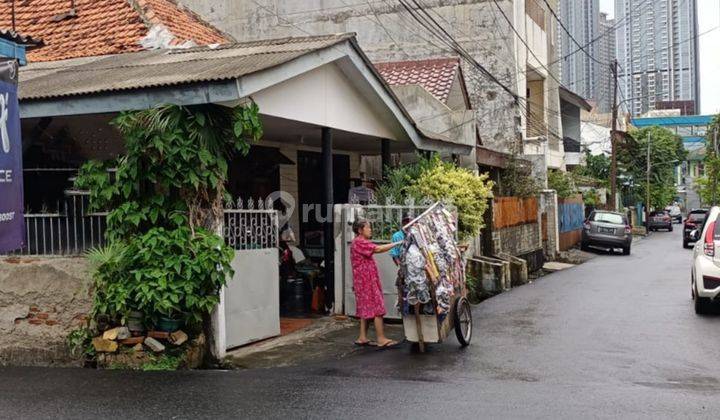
{"x": 385, "y": 155}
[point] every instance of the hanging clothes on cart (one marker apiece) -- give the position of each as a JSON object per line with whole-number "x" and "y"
{"x": 432, "y": 280}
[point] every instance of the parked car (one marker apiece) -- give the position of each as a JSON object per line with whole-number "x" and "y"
{"x": 695, "y": 220}
{"x": 607, "y": 229}
{"x": 675, "y": 213}
{"x": 705, "y": 275}
{"x": 660, "y": 220}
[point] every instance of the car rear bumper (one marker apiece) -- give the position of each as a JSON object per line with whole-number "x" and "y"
{"x": 598, "y": 239}
{"x": 686, "y": 235}
{"x": 660, "y": 225}
{"x": 707, "y": 278}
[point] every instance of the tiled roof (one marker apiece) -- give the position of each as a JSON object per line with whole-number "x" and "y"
{"x": 435, "y": 75}
{"x": 99, "y": 27}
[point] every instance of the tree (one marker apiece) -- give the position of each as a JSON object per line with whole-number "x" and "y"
{"x": 666, "y": 152}
{"x": 708, "y": 186}
{"x": 596, "y": 167}
{"x": 516, "y": 179}
{"x": 562, "y": 183}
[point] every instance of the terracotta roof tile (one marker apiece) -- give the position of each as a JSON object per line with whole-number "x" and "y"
{"x": 435, "y": 75}
{"x": 100, "y": 27}
{"x": 181, "y": 22}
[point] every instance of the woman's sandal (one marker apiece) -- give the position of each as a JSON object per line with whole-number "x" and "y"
{"x": 388, "y": 345}
{"x": 365, "y": 343}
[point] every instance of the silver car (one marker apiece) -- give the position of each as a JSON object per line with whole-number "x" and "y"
{"x": 607, "y": 229}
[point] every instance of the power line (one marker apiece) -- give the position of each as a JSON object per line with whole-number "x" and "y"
{"x": 454, "y": 45}
{"x": 562, "y": 25}
{"x": 438, "y": 31}
{"x": 599, "y": 37}
{"x": 502, "y": 12}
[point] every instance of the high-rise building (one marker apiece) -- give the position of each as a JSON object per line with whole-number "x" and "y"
{"x": 606, "y": 55}
{"x": 579, "y": 71}
{"x": 586, "y": 76}
{"x": 657, "y": 52}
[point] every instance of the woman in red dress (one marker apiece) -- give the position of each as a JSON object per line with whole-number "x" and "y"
{"x": 366, "y": 283}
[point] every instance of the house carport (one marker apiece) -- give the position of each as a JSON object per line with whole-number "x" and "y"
{"x": 317, "y": 94}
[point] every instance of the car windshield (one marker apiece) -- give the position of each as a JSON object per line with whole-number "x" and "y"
{"x": 657, "y": 213}
{"x": 608, "y": 218}
{"x": 696, "y": 217}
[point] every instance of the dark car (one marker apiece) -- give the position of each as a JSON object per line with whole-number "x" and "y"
{"x": 660, "y": 220}
{"x": 607, "y": 229}
{"x": 694, "y": 221}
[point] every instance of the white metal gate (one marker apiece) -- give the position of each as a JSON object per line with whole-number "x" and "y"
{"x": 252, "y": 296}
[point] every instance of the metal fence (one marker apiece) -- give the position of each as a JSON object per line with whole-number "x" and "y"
{"x": 246, "y": 227}
{"x": 514, "y": 211}
{"x": 70, "y": 230}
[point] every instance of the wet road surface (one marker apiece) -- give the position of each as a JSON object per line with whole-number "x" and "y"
{"x": 615, "y": 337}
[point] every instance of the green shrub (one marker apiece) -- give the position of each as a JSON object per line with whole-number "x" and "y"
{"x": 467, "y": 192}
{"x": 170, "y": 273}
{"x": 562, "y": 183}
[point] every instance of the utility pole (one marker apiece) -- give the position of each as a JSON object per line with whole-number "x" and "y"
{"x": 647, "y": 187}
{"x": 613, "y": 136}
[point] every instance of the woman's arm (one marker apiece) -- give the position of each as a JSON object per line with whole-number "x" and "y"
{"x": 379, "y": 249}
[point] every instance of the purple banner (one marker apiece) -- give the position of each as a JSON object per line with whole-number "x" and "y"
{"x": 12, "y": 225}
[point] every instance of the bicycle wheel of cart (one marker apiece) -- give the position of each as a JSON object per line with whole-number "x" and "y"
{"x": 463, "y": 321}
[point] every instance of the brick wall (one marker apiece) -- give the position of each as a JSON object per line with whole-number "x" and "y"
{"x": 41, "y": 301}
{"x": 517, "y": 240}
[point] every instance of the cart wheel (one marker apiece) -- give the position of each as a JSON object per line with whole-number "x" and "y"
{"x": 463, "y": 321}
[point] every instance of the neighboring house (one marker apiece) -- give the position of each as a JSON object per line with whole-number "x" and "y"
{"x": 15, "y": 45}
{"x": 693, "y": 130}
{"x": 526, "y": 122}
{"x": 435, "y": 94}
{"x": 84, "y": 28}
{"x": 572, "y": 106}
{"x": 595, "y": 138}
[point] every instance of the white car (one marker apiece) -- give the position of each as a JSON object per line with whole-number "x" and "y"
{"x": 705, "y": 276}
{"x": 675, "y": 213}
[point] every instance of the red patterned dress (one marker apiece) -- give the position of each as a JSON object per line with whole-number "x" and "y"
{"x": 366, "y": 280}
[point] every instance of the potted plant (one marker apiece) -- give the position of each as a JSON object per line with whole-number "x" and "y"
{"x": 135, "y": 322}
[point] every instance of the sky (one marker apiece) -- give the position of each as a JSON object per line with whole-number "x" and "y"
{"x": 708, "y": 20}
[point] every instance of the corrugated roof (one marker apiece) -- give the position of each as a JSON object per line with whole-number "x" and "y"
{"x": 435, "y": 75}
{"x": 572, "y": 97}
{"x": 98, "y": 27}
{"x": 155, "y": 68}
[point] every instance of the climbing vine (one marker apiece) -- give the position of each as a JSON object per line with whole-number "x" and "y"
{"x": 164, "y": 199}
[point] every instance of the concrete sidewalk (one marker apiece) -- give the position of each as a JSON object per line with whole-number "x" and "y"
{"x": 325, "y": 339}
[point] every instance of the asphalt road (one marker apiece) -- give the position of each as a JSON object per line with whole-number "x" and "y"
{"x": 615, "y": 337}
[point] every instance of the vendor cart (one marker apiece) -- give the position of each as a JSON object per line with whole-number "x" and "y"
{"x": 423, "y": 325}
{"x": 421, "y": 329}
